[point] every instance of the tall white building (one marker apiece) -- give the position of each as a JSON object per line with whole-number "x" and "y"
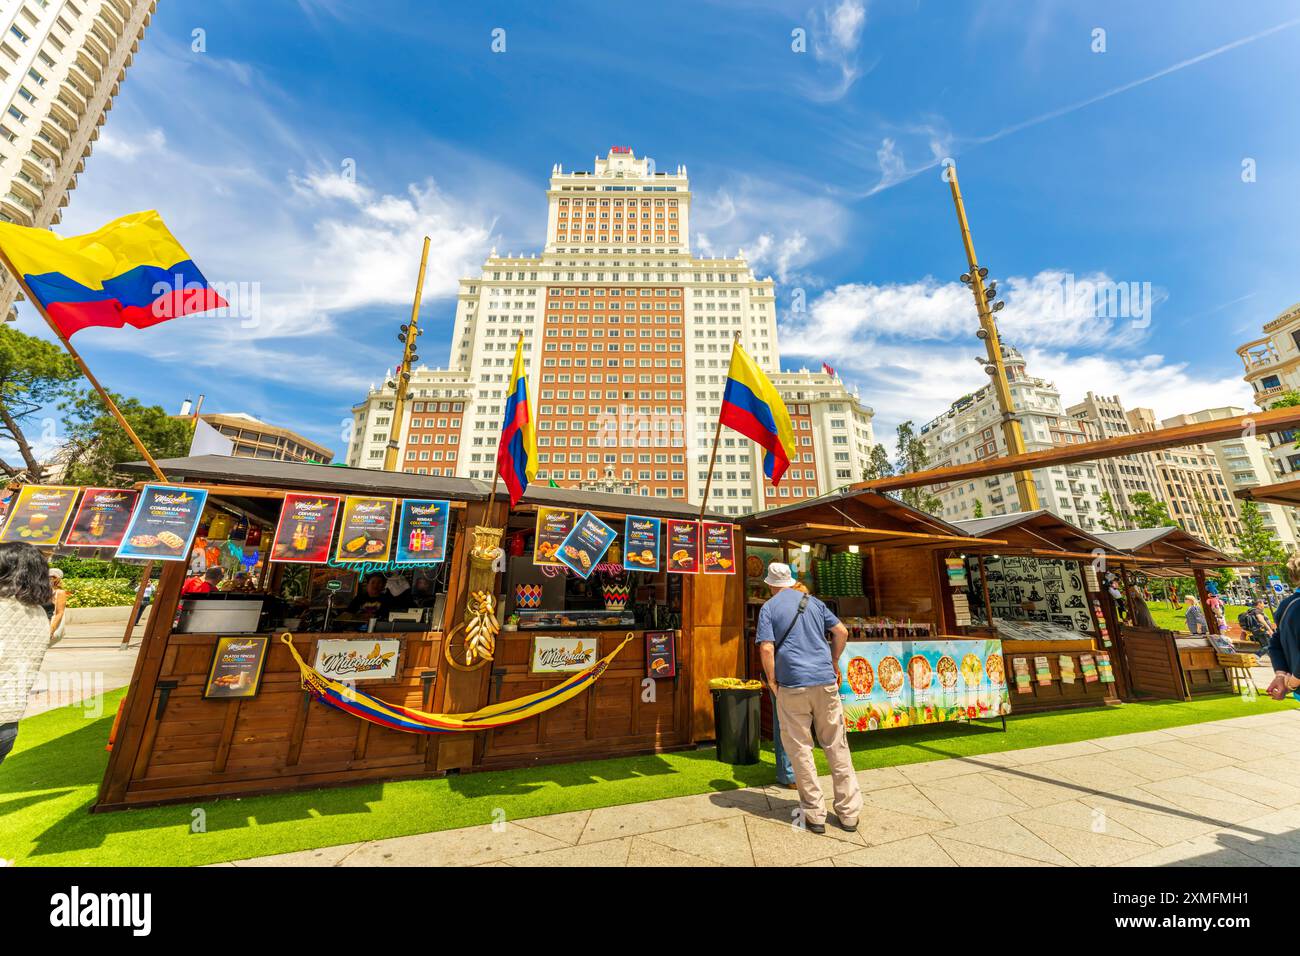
{"x": 61, "y": 64}
{"x": 971, "y": 430}
{"x": 1124, "y": 475}
{"x": 1272, "y": 366}
{"x": 627, "y": 338}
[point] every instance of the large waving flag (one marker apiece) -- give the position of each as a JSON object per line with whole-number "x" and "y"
{"x": 752, "y": 406}
{"x": 129, "y": 272}
{"x": 517, "y": 451}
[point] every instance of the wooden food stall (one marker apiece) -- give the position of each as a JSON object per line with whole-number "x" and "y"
{"x": 371, "y": 572}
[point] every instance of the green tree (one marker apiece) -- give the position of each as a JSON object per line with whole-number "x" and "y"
{"x": 979, "y": 508}
{"x": 1286, "y": 400}
{"x": 911, "y": 456}
{"x": 879, "y": 466}
{"x": 1258, "y": 544}
{"x": 96, "y": 444}
{"x": 1150, "y": 513}
{"x": 34, "y": 375}
{"x": 1111, "y": 518}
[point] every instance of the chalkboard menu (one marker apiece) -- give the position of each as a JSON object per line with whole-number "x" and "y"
{"x": 683, "y": 547}
{"x": 237, "y": 665}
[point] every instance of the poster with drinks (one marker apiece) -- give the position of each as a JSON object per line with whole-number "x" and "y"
{"x": 237, "y": 665}
{"x": 641, "y": 543}
{"x": 306, "y": 529}
{"x": 101, "y": 518}
{"x": 586, "y": 544}
{"x": 422, "y": 532}
{"x": 366, "y": 533}
{"x": 683, "y": 546}
{"x": 553, "y": 526}
{"x": 40, "y": 514}
{"x": 719, "y": 547}
{"x": 163, "y": 526}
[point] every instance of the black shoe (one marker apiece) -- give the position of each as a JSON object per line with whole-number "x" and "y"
{"x": 818, "y": 828}
{"x": 846, "y": 827}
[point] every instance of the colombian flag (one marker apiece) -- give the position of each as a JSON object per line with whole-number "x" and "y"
{"x": 130, "y": 272}
{"x": 752, "y": 406}
{"x": 517, "y": 452}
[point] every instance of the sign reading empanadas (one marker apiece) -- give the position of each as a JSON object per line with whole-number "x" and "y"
{"x": 306, "y": 529}
{"x": 40, "y": 514}
{"x": 719, "y": 548}
{"x": 553, "y": 526}
{"x": 366, "y": 533}
{"x": 641, "y": 543}
{"x": 585, "y": 545}
{"x": 682, "y": 544}
{"x": 163, "y": 526}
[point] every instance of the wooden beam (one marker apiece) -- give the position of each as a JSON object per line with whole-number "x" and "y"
{"x": 1273, "y": 420}
{"x": 1280, "y": 493}
{"x": 817, "y": 533}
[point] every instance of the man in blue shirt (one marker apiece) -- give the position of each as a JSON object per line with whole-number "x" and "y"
{"x": 1284, "y": 648}
{"x": 799, "y": 664}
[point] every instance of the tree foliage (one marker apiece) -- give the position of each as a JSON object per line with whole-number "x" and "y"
{"x": 1258, "y": 544}
{"x": 34, "y": 375}
{"x": 911, "y": 456}
{"x": 1150, "y": 513}
{"x": 879, "y": 466}
{"x": 95, "y": 443}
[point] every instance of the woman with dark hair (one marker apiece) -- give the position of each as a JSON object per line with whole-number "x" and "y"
{"x": 24, "y": 632}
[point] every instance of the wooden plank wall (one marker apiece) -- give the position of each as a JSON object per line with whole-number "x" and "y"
{"x": 1154, "y": 669}
{"x": 906, "y": 584}
{"x": 1057, "y": 696}
{"x": 715, "y": 606}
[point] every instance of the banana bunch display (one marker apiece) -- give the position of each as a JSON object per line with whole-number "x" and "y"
{"x": 481, "y": 632}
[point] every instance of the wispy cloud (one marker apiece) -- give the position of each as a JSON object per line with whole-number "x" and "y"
{"x": 836, "y": 36}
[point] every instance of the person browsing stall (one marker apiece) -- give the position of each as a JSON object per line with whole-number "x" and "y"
{"x": 205, "y": 583}
{"x": 799, "y": 663}
{"x": 373, "y": 600}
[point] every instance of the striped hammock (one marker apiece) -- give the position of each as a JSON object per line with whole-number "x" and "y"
{"x": 395, "y": 717}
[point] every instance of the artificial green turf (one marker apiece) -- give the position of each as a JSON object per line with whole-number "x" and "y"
{"x": 48, "y": 783}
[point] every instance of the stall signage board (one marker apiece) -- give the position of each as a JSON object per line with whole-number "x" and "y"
{"x": 563, "y": 655}
{"x": 888, "y": 684}
{"x": 641, "y": 543}
{"x": 366, "y": 533}
{"x": 422, "y": 532}
{"x": 237, "y": 665}
{"x": 163, "y": 526}
{"x": 40, "y": 514}
{"x": 719, "y": 548}
{"x": 101, "y": 518}
{"x": 683, "y": 546}
{"x": 660, "y": 654}
{"x": 362, "y": 659}
{"x": 553, "y": 526}
{"x": 306, "y": 529}
{"x": 586, "y": 544}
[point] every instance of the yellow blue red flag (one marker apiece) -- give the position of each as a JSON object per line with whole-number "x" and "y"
{"x": 752, "y": 406}
{"x": 517, "y": 451}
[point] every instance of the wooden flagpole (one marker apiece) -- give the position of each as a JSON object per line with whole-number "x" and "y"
{"x": 85, "y": 369}
{"x": 717, "y": 434}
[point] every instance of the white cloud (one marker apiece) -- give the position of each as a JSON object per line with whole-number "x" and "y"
{"x": 836, "y": 37}
{"x": 151, "y": 141}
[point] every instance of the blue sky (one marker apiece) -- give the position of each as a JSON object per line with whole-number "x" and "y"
{"x": 824, "y": 166}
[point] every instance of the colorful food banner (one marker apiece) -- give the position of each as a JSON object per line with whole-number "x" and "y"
{"x": 422, "y": 533}
{"x": 358, "y": 659}
{"x": 237, "y": 666}
{"x": 683, "y": 547}
{"x": 586, "y": 544}
{"x": 563, "y": 655}
{"x": 900, "y": 683}
{"x": 719, "y": 548}
{"x": 366, "y": 533}
{"x": 101, "y": 518}
{"x": 641, "y": 543}
{"x": 40, "y": 514}
{"x": 660, "y": 655}
{"x": 163, "y": 526}
{"x": 553, "y": 526}
{"x": 306, "y": 529}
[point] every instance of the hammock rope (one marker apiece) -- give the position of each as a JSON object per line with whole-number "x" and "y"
{"x": 395, "y": 717}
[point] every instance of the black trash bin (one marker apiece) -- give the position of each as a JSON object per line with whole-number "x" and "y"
{"x": 736, "y": 720}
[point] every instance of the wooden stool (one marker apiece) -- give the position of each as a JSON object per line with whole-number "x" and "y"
{"x": 1238, "y": 668}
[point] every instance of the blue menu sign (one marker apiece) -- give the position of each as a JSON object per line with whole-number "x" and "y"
{"x": 164, "y": 523}
{"x": 422, "y": 536}
{"x": 586, "y": 544}
{"x": 641, "y": 543}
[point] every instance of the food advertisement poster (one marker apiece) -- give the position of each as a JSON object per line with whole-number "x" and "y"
{"x": 660, "y": 655}
{"x": 887, "y": 684}
{"x": 237, "y": 665}
{"x": 683, "y": 547}
{"x": 358, "y": 660}
{"x": 164, "y": 523}
{"x": 102, "y": 517}
{"x": 641, "y": 543}
{"x": 306, "y": 529}
{"x": 40, "y": 514}
{"x": 422, "y": 534}
{"x": 553, "y": 526}
{"x": 586, "y": 544}
{"x": 719, "y": 548}
{"x": 366, "y": 533}
{"x": 563, "y": 655}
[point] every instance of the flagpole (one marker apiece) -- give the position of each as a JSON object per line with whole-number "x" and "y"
{"x": 85, "y": 369}
{"x": 717, "y": 434}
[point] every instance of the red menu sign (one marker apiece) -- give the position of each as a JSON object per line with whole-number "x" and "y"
{"x": 719, "y": 549}
{"x": 683, "y": 547}
{"x": 306, "y": 529}
{"x": 102, "y": 518}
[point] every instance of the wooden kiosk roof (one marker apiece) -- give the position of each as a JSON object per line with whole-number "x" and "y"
{"x": 1042, "y": 533}
{"x": 1281, "y": 493}
{"x": 1167, "y": 551}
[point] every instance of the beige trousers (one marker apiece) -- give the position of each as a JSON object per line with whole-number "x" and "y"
{"x": 801, "y": 709}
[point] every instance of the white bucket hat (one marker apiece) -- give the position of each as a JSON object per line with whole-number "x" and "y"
{"x": 779, "y": 576}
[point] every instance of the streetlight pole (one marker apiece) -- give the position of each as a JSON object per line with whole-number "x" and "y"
{"x": 402, "y": 378}
{"x": 1011, "y": 433}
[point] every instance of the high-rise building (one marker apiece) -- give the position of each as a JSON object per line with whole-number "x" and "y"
{"x": 61, "y": 64}
{"x": 627, "y": 337}
{"x": 971, "y": 430}
{"x": 1273, "y": 368}
{"x": 1122, "y": 476}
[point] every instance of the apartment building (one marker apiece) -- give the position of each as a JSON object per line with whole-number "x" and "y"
{"x": 1103, "y": 417}
{"x": 253, "y": 438}
{"x": 1272, "y": 368}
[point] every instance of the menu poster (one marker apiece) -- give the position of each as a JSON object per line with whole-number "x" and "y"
{"x": 641, "y": 543}
{"x": 1042, "y": 671}
{"x": 719, "y": 548}
{"x": 660, "y": 655}
{"x": 40, "y": 514}
{"x": 422, "y": 534}
{"x": 101, "y": 518}
{"x": 586, "y": 544}
{"x": 553, "y": 526}
{"x": 306, "y": 529}
{"x": 683, "y": 547}
{"x": 237, "y": 665}
{"x": 164, "y": 523}
{"x": 1020, "y": 667}
{"x": 366, "y": 533}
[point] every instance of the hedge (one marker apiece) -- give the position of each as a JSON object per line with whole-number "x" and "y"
{"x": 100, "y": 592}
